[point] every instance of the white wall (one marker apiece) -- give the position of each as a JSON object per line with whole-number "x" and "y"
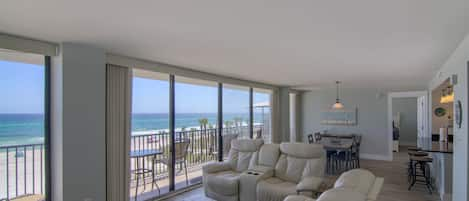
{"x": 372, "y": 117}
{"x": 458, "y": 64}
{"x": 407, "y": 107}
{"x": 78, "y": 124}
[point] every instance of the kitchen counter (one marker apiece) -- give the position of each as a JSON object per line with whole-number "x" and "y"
{"x": 426, "y": 144}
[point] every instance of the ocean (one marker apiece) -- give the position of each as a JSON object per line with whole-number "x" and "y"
{"x": 17, "y": 129}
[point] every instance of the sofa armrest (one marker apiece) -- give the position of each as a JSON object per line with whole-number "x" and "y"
{"x": 216, "y": 167}
{"x": 375, "y": 189}
{"x": 309, "y": 184}
{"x": 263, "y": 169}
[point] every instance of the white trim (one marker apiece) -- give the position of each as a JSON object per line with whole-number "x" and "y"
{"x": 375, "y": 157}
{"x": 406, "y": 94}
{"x": 181, "y": 71}
{"x": 28, "y": 45}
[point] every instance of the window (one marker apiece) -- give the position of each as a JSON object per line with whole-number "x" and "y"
{"x": 236, "y": 111}
{"x": 150, "y": 132}
{"x": 160, "y": 101}
{"x": 262, "y": 114}
{"x": 196, "y": 106}
{"x": 24, "y": 124}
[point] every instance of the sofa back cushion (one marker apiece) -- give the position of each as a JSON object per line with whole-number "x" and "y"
{"x": 299, "y": 160}
{"x": 267, "y": 156}
{"x": 360, "y": 180}
{"x": 341, "y": 194}
{"x": 241, "y": 152}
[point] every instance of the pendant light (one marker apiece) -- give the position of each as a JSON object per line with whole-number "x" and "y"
{"x": 337, "y": 105}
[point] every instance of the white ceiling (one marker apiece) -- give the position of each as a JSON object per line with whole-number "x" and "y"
{"x": 389, "y": 44}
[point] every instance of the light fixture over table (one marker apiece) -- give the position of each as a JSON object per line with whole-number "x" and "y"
{"x": 337, "y": 104}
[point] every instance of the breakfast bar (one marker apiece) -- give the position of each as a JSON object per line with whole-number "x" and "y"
{"x": 442, "y": 165}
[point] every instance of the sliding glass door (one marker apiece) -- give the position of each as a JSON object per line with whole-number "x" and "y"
{"x": 150, "y": 140}
{"x": 24, "y": 125}
{"x": 262, "y": 100}
{"x": 180, "y": 123}
{"x": 196, "y": 106}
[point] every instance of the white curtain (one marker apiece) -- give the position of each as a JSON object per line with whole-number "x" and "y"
{"x": 118, "y": 114}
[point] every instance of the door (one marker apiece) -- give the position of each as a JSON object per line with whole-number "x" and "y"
{"x": 422, "y": 117}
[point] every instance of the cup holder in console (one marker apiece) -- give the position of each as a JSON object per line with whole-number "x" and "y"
{"x": 253, "y": 173}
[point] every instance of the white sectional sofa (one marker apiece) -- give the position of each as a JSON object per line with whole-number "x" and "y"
{"x": 299, "y": 169}
{"x": 221, "y": 179}
{"x": 354, "y": 185}
{"x": 272, "y": 172}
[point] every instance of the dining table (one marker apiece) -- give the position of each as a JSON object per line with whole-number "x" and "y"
{"x": 141, "y": 155}
{"x": 337, "y": 144}
{"x": 333, "y": 146}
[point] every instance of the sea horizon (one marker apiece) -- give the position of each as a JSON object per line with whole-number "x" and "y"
{"x": 28, "y": 128}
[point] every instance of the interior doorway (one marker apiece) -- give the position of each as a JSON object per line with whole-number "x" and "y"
{"x": 407, "y": 119}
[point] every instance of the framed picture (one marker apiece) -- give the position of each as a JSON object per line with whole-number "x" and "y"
{"x": 339, "y": 117}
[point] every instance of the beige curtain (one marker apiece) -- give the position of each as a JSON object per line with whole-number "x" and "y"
{"x": 276, "y": 127}
{"x": 118, "y": 114}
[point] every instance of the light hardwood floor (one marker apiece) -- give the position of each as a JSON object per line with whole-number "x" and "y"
{"x": 394, "y": 188}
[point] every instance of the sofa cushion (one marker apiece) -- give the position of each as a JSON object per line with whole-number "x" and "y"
{"x": 268, "y": 155}
{"x": 275, "y": 189}
{"x": 360, "y": 180}
{"x": 241, "y": 152}
{"x": 298, "y": 198}
{"x": 342, "y": 194}
{"x": 225, "y": 183}
{"x": 300, "y": 160}
{"x": 302, "y": 150}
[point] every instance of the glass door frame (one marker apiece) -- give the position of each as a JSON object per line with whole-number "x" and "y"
{"x": 47, "y": 127}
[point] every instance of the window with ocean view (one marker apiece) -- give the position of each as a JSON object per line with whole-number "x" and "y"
{"x": 262, "y": 114}
{"x": 196, "y": 104}
{"x": 235, "y": 112}
{"x": 196, "y": 130}
{"x": 22, "y": 125}
{"x": 150, "y": 138}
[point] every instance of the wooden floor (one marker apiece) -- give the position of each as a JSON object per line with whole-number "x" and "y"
{"x": 394, "y": 188}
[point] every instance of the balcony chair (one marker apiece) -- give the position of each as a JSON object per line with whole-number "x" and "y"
{"x": 180, "y": 148}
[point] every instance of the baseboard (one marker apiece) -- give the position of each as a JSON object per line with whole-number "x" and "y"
{"x": 375, "y": 157}
{"x": 407, "y": 143}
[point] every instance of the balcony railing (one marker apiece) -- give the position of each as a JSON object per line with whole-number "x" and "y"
{"x": 22, "y": 170}
{"x": 22, "y": 167}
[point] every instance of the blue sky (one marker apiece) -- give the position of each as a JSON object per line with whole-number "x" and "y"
{"x": 22, "y": 91}
{"x": 151, "y": 96}
{"x": 21, "y": 88}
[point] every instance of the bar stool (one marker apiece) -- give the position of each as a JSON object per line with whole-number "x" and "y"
{"x": 421, "y": 163}
{"x": 410, "y": 168}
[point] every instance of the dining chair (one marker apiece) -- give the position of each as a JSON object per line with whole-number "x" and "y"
{"x": 310, "y": 139}
{"x": 355, "y": 155}
{"x": 317, "y": 137}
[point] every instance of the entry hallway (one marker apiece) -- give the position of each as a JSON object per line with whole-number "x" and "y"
{"x": 394, "y": 189}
